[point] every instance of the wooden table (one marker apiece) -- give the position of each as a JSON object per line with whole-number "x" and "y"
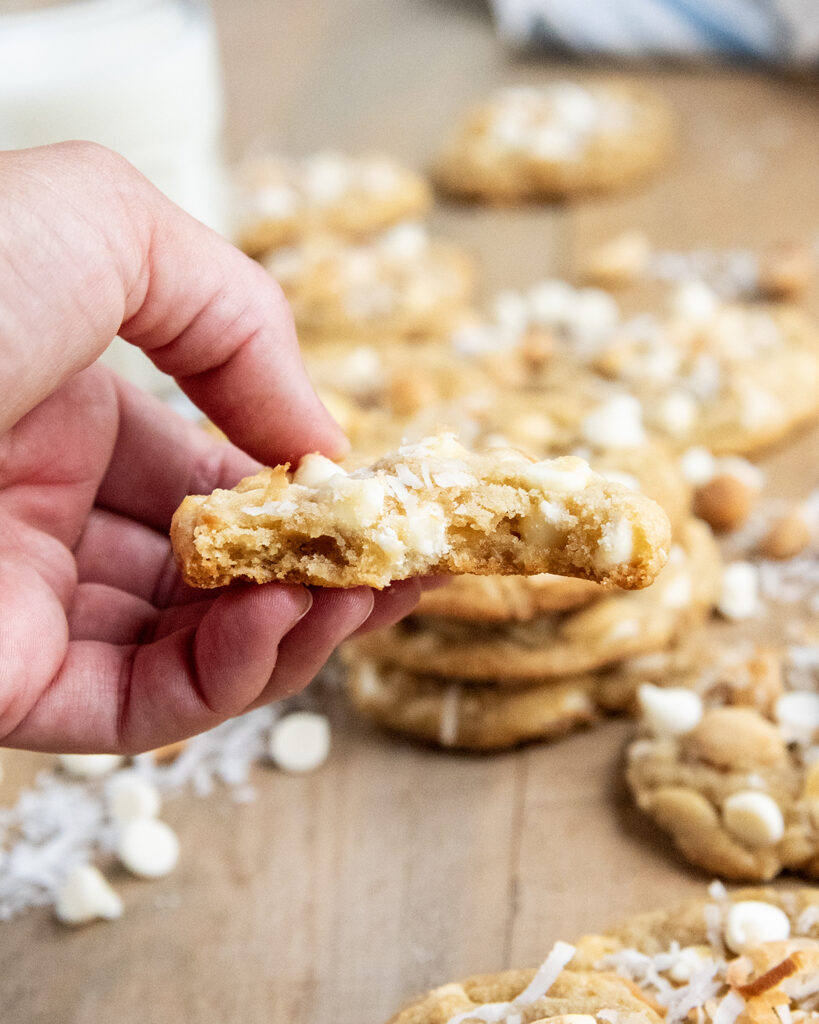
{"x": 336, "y": 896}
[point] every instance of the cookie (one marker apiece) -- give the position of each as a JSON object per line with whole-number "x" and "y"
{"x": 397, "y": 284}
{"x": 615, "y": 627}
{"x": 431, "y": 507}
{"x": 557, "y": 140}
{"x": 281, "y": 201}
{"x": 727, "y": 764}
{"x": 507, "y": 598}
{"x": 461, "y": 716}
{"x": 730, "y": 376}
{"x": 750, "y": 956}
{"x": 553, "y": 994}
{"x": 389, "y": 384}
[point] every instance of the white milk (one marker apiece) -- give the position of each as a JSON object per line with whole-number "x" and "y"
{"x": 139, "y": 76}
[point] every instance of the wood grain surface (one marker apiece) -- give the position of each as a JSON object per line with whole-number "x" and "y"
{"x": 335, "y": 897}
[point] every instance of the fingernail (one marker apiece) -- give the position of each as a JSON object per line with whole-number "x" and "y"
{"x": 307, "y": 597}
{"x": 369, "y": 611}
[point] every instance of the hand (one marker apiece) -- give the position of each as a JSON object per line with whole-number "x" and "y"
{"x": 102, "y": 647}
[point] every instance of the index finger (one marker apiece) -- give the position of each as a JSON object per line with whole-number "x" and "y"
{"x": 122, "y": 258}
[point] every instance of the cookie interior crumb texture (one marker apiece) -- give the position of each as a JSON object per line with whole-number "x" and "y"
{"x": 433, "y": 507}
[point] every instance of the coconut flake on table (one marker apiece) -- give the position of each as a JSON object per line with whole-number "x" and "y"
{"x": 57, "y": 824}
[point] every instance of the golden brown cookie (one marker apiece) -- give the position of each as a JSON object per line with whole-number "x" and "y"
{"x": 456, "y": 714}
{"x": 280, "y": 201}
{"x": 750, "y": 956}
{"x": 556, "y": 140}
{"x": 726, "y": 763}
{"x": 507, "y": 598}
{"x": 613, "y": 628}
{"x": 731, "y": 377}
{"x": 397, "y": 284}
{"x": 431, "y": 507}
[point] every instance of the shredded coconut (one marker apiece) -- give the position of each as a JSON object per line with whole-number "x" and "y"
{"x": 58, "y": 824}
{"x": 545, "y": 976}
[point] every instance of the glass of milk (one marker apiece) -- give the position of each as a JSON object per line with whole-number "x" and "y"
{"x": 139, "y": 76}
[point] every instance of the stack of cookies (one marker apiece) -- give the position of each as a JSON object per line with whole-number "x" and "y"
{"x": 344, "y": 237}
{"x": 661, "y": 400}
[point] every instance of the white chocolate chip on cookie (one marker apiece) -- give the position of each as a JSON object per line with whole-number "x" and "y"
{"x": 314, "y": 470}
{"x": 754, "y": 818}
{"x": 739, "y": 597}
{"x": 752, "y": 922}
{"x": 670, "y": 711}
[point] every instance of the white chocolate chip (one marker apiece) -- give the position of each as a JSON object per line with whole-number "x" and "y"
{"x": 739, "y": 597}
{"x": 573, "y": 105}
{"x": 300, "y": 742}
{"x": 676, "y": 592}
{"x": 314, "y": 470}
{"x": 669, "y": 711}
{"x": 616, "y": 544}
{"x": 551, "y": 302}
{"x": 148, "y": 848}
{"x": 510, "y": 310}
{"x": 326, "y": 176}
{"x": 404, "y": 242}
{"x": 566, "y": 477}
{"x": 426, "y": 531}
{"x": 358, "y": 501}
{"x": 752, "y": 922}
{"x": 360, "y": 372}
{"x": 274, "y": 202}
{"x": 131, "y": 797}
{"x": 593, "y": 313}
{"x": 754, "y": 818}
{"x": 85, "y": 896}
{"x": 617, "y": 423}
{"x": 797, "y": 713}
{"x": 698, "y": 466}
{"x": 90, "y": 766}
{"x": 695, "y": 302}
{"x": 553, "y": 142}
{"x": 677, "y": 413}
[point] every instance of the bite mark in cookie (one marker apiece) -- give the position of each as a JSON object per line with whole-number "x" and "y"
{"x": 431, "y": 507}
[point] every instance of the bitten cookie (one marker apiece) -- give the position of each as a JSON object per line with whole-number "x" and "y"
{"x": 556, "y": 140}
{"x": 750, "y": 956}
{"x": 431, "y": 507}
{"x": 280, "y": 201}
{"x": 727, "y": 764}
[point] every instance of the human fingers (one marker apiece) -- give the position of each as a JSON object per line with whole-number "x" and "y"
{"x": 159, "y": 457}
{"x": 123, "y": 259}
{"x": 108, "y": 614}
{"x": 335, "y": 615}
{"x": 391, "y": 604}
{"x": 129, "y": 698}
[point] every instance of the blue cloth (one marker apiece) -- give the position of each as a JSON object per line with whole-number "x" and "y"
{"x": 784, "y": 31}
